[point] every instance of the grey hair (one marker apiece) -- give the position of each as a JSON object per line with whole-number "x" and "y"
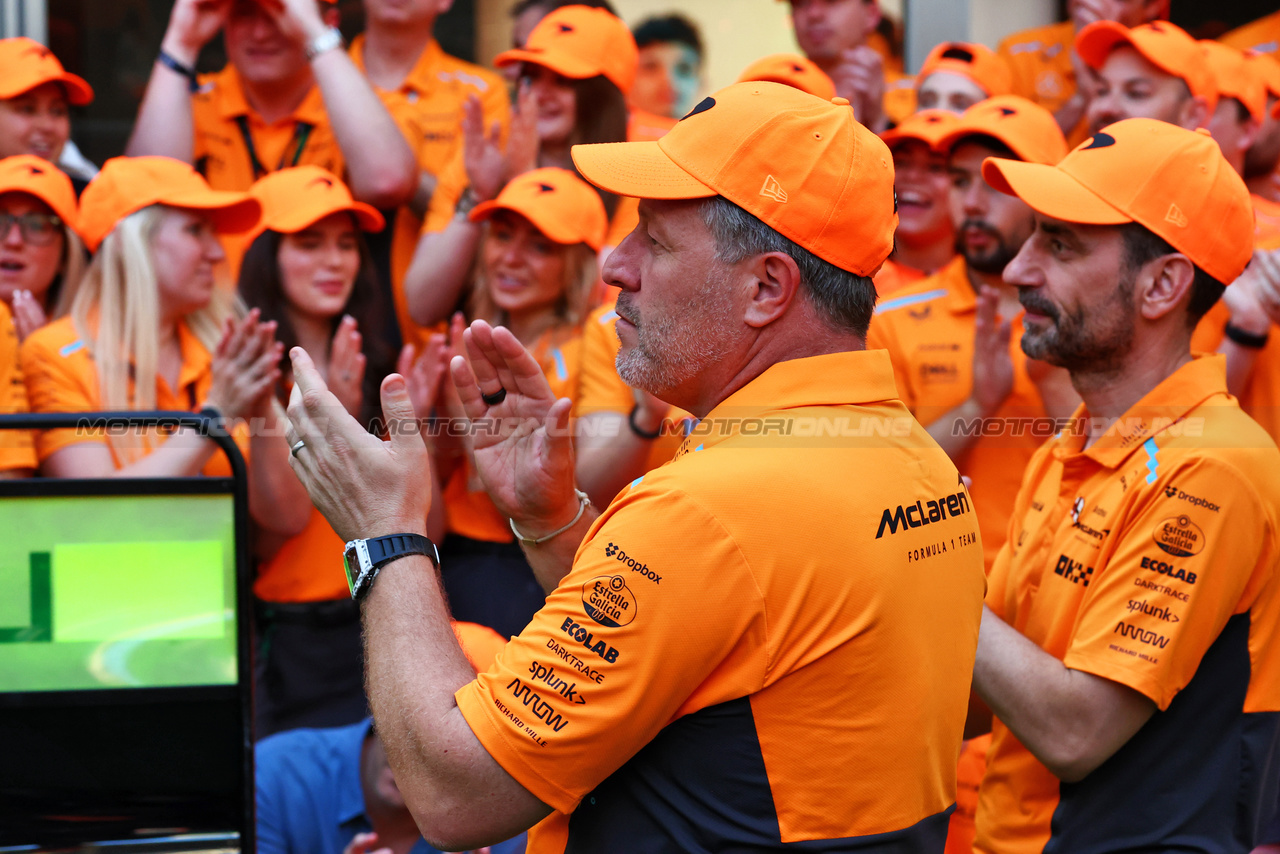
{"x": 843, "y": 299}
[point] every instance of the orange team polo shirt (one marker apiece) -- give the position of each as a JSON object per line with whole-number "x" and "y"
{"x": 1148, "y": 559}
{"x": 428, "y": 110}
{"x": 767, "y": 641}
{"x": 222, "y": 154}
{"x": 308, "y": 567}
{"x": 928, "y": 330}
{"x": 893, "y": 276}
{"x": 61, "y": 377}
{"x": 1040, "y": 59}
{"x": 452, "y": 182}
{"x": 469, "y": 511}
{"x": 1261, "y": 395}
{"x": 16, "y": 448}
{"x": 600, "y": 389}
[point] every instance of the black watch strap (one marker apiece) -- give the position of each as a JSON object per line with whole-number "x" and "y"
{"x": 383, "y": 550}
{"x": 1246, "y": 339}
{"x": 380, "y": 552}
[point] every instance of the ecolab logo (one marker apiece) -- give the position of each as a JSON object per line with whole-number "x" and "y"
{"x": 923, "y": 513}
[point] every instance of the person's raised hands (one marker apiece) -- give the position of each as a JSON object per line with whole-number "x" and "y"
{"x": 364, "y": 486}
{"x": 28, "y": 315}
{"x": 992, "y": 366}
{"x": 482, "y": 153}
{"x": 245, "y": 367}
{"x": 859, "y": 78}
{"x": 192, "y": 24}
{"x": 519, "y": 432}
{"x": 347, "y": 365}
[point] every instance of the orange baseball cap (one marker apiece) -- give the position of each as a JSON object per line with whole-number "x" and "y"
{"x": 927, "y": 126}
{"x": 1150, "y": 172}
{"x": 1029, "y": 130}
{"x": 26, "y": 64}
{"x": 26, "y": 173}
{"x": 801, "y": 165}
{"x": 559, "y": 203}
{"x": 1266, "y": 67}
{"x": 129, "y": 184}
{"x": 977, "y": 62}
{"x": 1234, "y": 77}
{"x": 295, "y": 198}
{"x": 580, "y": 42}
{"x": 791, "y": 69}
{"x": 1165, "y": 45}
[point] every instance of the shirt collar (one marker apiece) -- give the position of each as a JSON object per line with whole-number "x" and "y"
{"x": 423, "y": 74}
{"x": 832, "y": 379}
{"x": 232, "y": 102}
{"x": 196, "y": 360}
{"x": 1168, "y": 403}
{"x": 961, "y": 298}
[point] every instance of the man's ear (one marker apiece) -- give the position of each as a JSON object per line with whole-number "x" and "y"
{"x": 775, "y": 285}
{"x": 1163, "y": 284}
{"x": 1194, "y": 113}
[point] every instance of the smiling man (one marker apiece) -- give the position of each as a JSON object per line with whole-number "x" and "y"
{"x": 1128, "y": 650}
{"x": 740, "y": 627}
{"x": 289, "y": 96}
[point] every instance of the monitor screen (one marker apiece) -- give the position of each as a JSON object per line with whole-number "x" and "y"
{"x": 124, "y": 666}
{"x": 130, "y": 592}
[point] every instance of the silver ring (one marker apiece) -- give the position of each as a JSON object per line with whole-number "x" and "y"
{"x": 297, "y": 446}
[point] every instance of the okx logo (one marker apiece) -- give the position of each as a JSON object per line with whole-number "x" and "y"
{"x": 611, "y": 550}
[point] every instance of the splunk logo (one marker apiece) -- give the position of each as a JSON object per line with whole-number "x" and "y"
{"x": 922, "y": 513}
{"x": 620, "y": 556}
{"x": 1140, "y": 634}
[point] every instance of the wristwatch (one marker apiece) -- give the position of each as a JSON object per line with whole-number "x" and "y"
{"x": 364, "y": 558}
{"x": 326, "y": 41}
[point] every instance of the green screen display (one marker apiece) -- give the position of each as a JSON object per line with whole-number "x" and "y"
{"x": 117, "y": 592}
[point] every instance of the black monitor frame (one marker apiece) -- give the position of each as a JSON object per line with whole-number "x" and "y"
{"x": 156, "y": 835}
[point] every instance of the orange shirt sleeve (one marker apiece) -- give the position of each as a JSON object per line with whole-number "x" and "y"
{"x": 16, "y": 448}
{"x": 1209, "y": 559}
{"x": 621, "y": 648}
{"x": 59, "y": 380}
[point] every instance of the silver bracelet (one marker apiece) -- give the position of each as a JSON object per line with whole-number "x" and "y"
{"x": 583, "y": 501}
{"x": 324, "y": 43}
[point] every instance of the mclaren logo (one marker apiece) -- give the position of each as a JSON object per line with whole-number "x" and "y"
{"x": 923, "y": 513}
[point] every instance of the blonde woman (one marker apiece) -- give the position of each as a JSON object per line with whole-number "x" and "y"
{"x": 152, "y": 327}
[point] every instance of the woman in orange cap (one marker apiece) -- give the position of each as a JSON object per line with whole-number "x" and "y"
{"x": 151, "y": 328}
{"x": 309, "y": 270}
{"x": 535, "y": 272}
{"x": 576, "y": 69}
{"x": 41, "y": 256}
{"x": 36, "y": 95}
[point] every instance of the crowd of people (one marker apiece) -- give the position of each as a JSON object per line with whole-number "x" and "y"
{"x": 1030, "y": 242}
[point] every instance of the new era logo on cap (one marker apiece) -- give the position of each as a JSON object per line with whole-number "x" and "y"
{"x": 1100, "y": 140}
{"x": 565, "y": 28}
{"x": 1176, "y": 216}
{"x": 546, "y": 188}
{"x": 773, "y": 190}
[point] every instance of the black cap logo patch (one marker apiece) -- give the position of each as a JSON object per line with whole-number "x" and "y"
{"x": 565, "y": 28}
{"x": 546, "y": 188}
{"x": 1005, "y": 112}
{"x": 328, "y": 182}
{"x": 707, "y": 103}
{"x": 1100, "y": 140}
{"x": 35, "y": 170}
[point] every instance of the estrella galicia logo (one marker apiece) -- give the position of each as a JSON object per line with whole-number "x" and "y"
{"x": 609, "y": 601}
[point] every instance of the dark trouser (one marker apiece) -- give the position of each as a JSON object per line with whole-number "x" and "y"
{"x": 490, "y": 584}
{"x": 310, "y": 669}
